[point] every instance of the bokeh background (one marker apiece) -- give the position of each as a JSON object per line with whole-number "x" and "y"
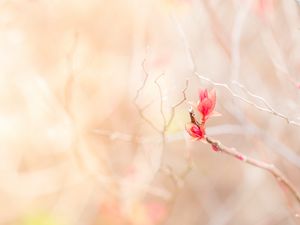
{"x": 94, "y": 98}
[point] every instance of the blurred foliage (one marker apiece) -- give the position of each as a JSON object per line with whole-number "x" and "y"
{"x": 39, "y": 219}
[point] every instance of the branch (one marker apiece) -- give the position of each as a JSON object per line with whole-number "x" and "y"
{"x": 236, "y": 38}
{"x": 161, "y": 102}
{"x": 143, "y": 84}
{"x": 267, "y": 109}
{"x": 280, "y": 177}
{"x": 141, "y": 110}
{"x": 186, "y": 44}
{"x": 217, "y": 28}
{"x": 178, "y": 104}
{"x": 167, "y": 121}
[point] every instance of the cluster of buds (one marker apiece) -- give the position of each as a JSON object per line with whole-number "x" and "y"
{"x": 205, "y": 107}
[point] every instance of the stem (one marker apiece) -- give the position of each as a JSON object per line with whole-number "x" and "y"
{"x": 280, "y": 177}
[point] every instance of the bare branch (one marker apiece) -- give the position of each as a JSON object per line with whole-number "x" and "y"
{"x": 148, "y": 121}
{"x": 141, "y": 111}
{"x": 173, "y": 109}
{"x": 138, "y": 92}
{"x": 178, "y": 179}
{"x": 161, "y": 101}
{"x": 267, "y": 109}
{"x": 268, "y": 106}
{"x": 219, "y": 32}
{"x": 186, "y": 44}
{"x": 167, "y": 122}
{"x": 280, "y": 177}
{"x": 236, "y": 38}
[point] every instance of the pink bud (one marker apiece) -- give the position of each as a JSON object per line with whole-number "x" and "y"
{"x": 207, "y": 103}
{"x": 240, "y": 157}
{"x": 195, "y": 131}
{"x": 215, "y": 148}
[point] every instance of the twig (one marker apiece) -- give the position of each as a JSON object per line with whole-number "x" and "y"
{"x": 268, "y": 106}
{"x": 186, "y": 44}
{"x": 176, "y": 179}
{"x": 163, "y": 132}
{"x": 236, "y": 39}
{"x": 280, "y": 177}
{"x": 141, "y": 111}
{"x": 161, "y": 101}
{"x": 217, "y": 28}
{"x": 167, "y": 121}
{"x": 144, "y": 82}
{"x": 178, "y": 104}
{"x": 267, "y": 109}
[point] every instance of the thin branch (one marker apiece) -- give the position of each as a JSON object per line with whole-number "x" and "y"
{"x": 125, "y": 137}
{"x": 178, "y": 179}
{"x": 173, "y": 109}
{"x": 167, "y": 122}
{"x": 186, "y": 44}
{"x": 138, "y": 92}
{"x": 268, "y": 106}
{"x": 141, "y": 111}
{"x": 217, "y": 28}
{"x": 267, "y": 109}
{"x": 161, "y": 101}
{"x": 280, "y": 177}
{"x": 236, "y": 38}
{"x": 143, "y": 108}
{"x": 142, "y": 115}
{"x": 272, "y": 142}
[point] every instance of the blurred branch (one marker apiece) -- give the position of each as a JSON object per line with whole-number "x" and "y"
{"x": 161, "y": 101}
{"x": 236, "y": 38}
{"x": 178, "y": 180}
{"x": 138, "y": 93}
{"x": 217, "y": 28}
{"x": 280, "y": 177}
{"x": 186, "y": 44}
{"x": 230, "y": 129}
{"x": 279, "y": 57}
{"x": 173, "y": 109}
{"x": 167, "y": 122}
{"x": 115, "y": 135}
{"x": 70, "y": 79}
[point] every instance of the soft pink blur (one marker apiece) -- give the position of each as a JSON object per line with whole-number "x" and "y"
{"x": 84, "y": 133}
